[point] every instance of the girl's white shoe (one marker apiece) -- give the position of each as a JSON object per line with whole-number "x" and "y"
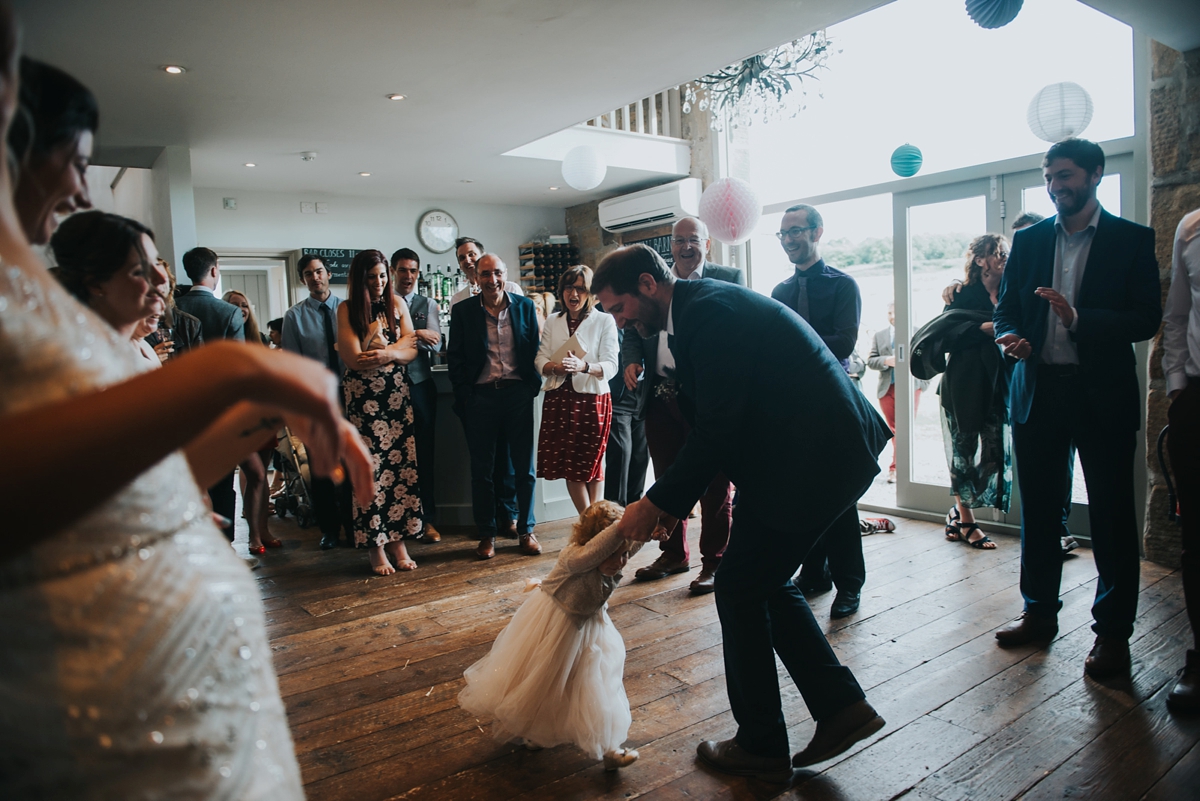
{"x": 621, "y": 758}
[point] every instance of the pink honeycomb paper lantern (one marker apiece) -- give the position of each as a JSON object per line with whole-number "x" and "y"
{"x": 730, "y": 209}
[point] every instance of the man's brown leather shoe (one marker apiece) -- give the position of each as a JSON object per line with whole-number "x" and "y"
{"x": 1185, "y": 696}
{"x": 836, "y": 734}
{"x": 509, "y": 530}
{"x": 1027, "y": 628}
{"x": 487, "y": 548}
{"x": 529, "y": 545}
{"x": 1109, "y": 657}
{"x": 705, "y": 582}
{"x": 431, "y": 534}
{"x": 661, "y": 567}
{"x": 728, "y": 757}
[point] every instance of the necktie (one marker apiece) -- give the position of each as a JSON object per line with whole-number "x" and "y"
{"x": 331, "y": 356}
{"x": 802, "y": 296}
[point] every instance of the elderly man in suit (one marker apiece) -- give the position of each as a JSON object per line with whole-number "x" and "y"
{"x": 666, "y": 427}
{"x": 218, "y": 320}
{"x": 493, "y": 343}
{"x": 800, "y": 438}
{"x": 406, "y": 270}
{"x": 1079, "y": 289}
{"x": 883, "y": 359}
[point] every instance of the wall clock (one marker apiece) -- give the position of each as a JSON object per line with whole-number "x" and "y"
{"x": 437, "y": 230}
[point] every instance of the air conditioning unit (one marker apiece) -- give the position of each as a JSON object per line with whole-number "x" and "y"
{"x": 657, "y": 206}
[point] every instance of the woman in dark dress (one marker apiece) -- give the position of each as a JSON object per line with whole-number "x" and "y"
{"x": 376, "y": 341}
{"x": 975, "y": 424}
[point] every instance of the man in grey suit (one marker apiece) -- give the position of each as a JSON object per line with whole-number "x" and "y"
{"x": 218, "y": 320}
{"x": 883, "y": 359}
{"x": 406, "y": 269}
{"x": 666, "y": 429}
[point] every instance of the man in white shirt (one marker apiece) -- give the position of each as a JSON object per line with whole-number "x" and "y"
{"x": 1181, "y": 367}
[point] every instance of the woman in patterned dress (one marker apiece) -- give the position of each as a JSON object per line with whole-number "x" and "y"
{"x": 577, "y": 411}
{"x": 375, "y": 340}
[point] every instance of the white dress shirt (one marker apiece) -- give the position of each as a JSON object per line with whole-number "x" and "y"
{"x": 1181, "y": 318}
{"x": 1070, "y": 258}
{"x": 665, "y": 360}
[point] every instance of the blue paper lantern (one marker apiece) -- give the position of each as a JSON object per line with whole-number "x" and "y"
{"x": 906, "y": 160}
{"x": 993, "y": 14}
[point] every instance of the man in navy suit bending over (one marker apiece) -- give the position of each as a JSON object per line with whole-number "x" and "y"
{"x": 1079, "y": 289}
{"x": 783, "y": 422}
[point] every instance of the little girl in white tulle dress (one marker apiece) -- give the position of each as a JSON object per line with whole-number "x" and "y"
{"x": 556, "y": 673}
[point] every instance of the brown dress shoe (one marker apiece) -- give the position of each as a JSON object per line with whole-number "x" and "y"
{"x": 509, "y": 530}
{"x": 1027, "y": 628}
{"x": 1185, "y": 696}
{"x": 487, "y": 548}
{"x": 431, "y": 534}
{"x": 728, "y": 757}
{"x": 661, "y": 567}
{"x": 836, "y": 734}
{"x": 529, "y": 545}
{"x": 705, "y": 582}
{"x": 1109, "y": 657}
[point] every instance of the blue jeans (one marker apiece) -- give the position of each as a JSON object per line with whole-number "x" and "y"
{"x": 494, "y": 417}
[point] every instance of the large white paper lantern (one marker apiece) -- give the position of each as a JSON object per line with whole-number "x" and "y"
{"x": 583, "y": 167}
{"x": 730, "y": 209}
{"x": 1059, "y": 111}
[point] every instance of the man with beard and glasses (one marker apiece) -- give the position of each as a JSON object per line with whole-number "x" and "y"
{"x": 1079, "y": 289}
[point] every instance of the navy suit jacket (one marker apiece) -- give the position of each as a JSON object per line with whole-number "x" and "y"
{"x": 781, "y": 419}
{"x": 834, "y": 306}
{"x": 218, "y": 319}
{"x": 466, "y": 350}
{"x": 1119, "y": 303}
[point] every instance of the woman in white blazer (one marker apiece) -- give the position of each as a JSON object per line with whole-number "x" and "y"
{"x": 577, "y": 411}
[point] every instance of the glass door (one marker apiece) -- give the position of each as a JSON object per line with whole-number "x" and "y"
{"x": 932, "y": 228}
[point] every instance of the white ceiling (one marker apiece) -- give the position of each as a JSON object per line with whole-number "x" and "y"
{"x": 268, "y": 79}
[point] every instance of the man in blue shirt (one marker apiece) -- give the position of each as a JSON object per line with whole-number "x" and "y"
{"x": 310, "y": 329}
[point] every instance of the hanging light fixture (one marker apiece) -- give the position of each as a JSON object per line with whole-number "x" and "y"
{"x": 993, "y": 14}
{"x": 583, "y": 168}
{"x": 907, "y": 160}
{"x": 730, "y": 209}
{"x": 1059, "y": 111}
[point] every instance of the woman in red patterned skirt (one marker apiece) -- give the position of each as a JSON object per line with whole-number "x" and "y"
{"x": 577, "y": 410}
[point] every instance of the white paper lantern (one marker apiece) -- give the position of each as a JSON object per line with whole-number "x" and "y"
{"x": 730, "y": 209}
{"x": 1059, "y": 111}
{"x": 583, "y": 167}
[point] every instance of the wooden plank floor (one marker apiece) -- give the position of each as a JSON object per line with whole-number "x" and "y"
{"x": 370, "y": 667}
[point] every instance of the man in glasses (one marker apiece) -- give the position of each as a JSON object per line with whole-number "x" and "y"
{"x": 829, "y": 301}
{"x": 666, "y": 429}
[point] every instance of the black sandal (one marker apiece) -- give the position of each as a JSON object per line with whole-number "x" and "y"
{"x": 981, "y": 543}
{"x": 953, "y": 532}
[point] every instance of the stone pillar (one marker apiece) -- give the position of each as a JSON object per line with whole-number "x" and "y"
{"x": 1175, "y": 190}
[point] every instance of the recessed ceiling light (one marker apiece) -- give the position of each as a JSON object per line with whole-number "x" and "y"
{"x": 251, "y": 164}
{"x": 466, "y": 180}
{"x": 174, "y": 69}
{"x": 365, "y": 174}
{"x": 554, "y": 189}
{"x": 395, "y": 96}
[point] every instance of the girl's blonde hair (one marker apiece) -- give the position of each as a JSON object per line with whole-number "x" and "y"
{"x": 597, "y": 517}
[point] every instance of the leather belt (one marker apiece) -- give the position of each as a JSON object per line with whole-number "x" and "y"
{"x": 504, "y": 383}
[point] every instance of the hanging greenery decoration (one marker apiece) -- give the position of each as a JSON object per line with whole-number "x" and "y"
{"x": 756, "y": 87}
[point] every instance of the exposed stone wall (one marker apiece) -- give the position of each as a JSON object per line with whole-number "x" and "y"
{"x": 1174, "y": 191}
{"x": 583, "y": 226}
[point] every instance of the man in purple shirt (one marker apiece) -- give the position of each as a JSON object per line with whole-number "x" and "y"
{"x": 493, "y": 342}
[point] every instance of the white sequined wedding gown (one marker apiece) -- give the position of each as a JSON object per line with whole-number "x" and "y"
{"x": 134, "y": 661}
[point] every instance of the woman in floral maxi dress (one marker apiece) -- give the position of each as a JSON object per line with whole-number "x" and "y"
{"x": 376, "y": 341}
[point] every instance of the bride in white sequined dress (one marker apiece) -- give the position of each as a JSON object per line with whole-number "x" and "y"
{"x": 135, "y": 661}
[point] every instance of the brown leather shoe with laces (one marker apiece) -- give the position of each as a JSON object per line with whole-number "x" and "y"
{"x": 1109, "y": 657}
{"x": 487, "y": 548}
{"x": 661, "y": 567}
{"x": 431, "y": 534}
{"x": 529, "y": 544}
{"x": 705, "y": 582}
{"x": 1027, "y": 628}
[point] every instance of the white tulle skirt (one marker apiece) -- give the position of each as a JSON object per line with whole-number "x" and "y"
{"x": 553, "y": 678}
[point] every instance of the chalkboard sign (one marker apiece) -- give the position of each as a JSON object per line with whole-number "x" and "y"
{"x": 660, "y": 244}
{"x": 336, "y": 261}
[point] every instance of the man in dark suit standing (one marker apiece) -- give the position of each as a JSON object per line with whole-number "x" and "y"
{"x": 829, "y": 301}
{"x": 1079, "y": 289}
{"x": 666, "y": 427}
{"x": 218, "y": 320}
{"x": 493, "y": 343}
{"x": 784, "y": 422}
{"x": 627, "y": 456}
{"x": 406, "y": 269}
